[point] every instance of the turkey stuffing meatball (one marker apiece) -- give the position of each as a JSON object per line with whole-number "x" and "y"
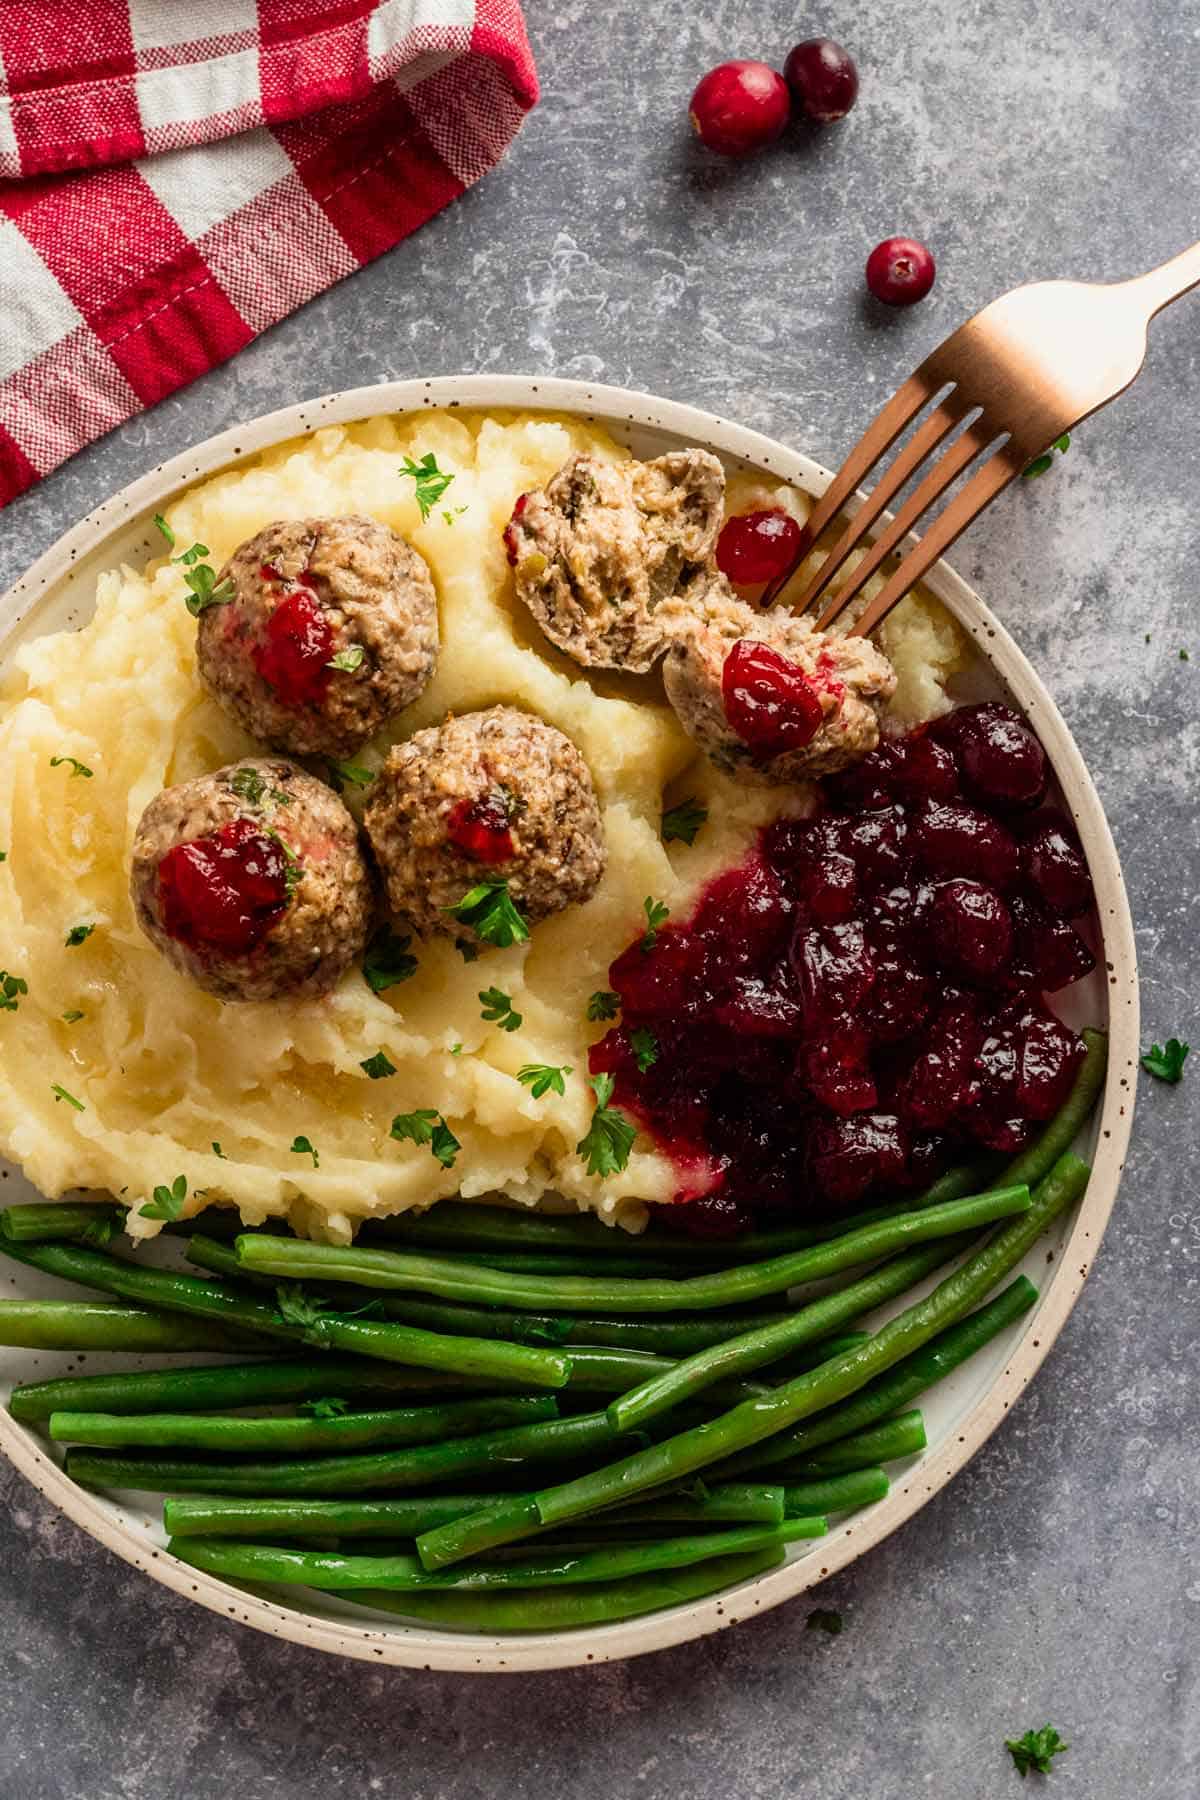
{"x": 490, "y": 797}
{"x": 599, "y": 549}
{"x": 251, "y": 881}
{"x": 332, "y": 630}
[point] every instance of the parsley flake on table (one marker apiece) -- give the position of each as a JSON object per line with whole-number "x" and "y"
{"x": 347, "y": 660}
{"x": 603, "y": 1004}
{"x": 681, "y": 824}
{"x": 490, "y": 914}
{"x": 387, "y": 962}
{"x": 348, "y": 774}
{"x": 1184, "y": 657}
{"x": 1035, "y": 1750}
{"x": 11, "y": 989}
{"x": 77, "y": 768}
{"x": 655, "y": 913}
{"x": 73, "y": 1017}
{"x": 78, "y": 934}
{"x": 1165, "y": 1063}
{"x": 430, "y": 481}
{"x": 302, "y": 1147}
{"x": 644, "y": 1045}
{"x": 378, "y": 1067}
{"x": 498, "y": 1009}
{"x": 60, "y": 1093}
{"x": 425, "y": 1126}
{"x": 332, "y": 1408}
{"x": 1040, "y": 464}
{"x": 823, "y": 1618}
{"x": 167, "y": 1202}
{"x": 544, "y": 1078}
{"x": 609, "y": 1138}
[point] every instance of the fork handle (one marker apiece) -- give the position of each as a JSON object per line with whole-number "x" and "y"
{"x": 1168, "y": 282}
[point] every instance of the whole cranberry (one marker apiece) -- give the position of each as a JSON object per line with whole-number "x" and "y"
{"x": 849, "y": 1155}
{"x": 757, "y": 546}
{"x": 972, "y": 929}
{"x": 999, "y": 756}
{"x": 740, "y": 107}
{"x": 1056, "y": 867}
{"x": 900, "y": 271}
{"x": 823, "y": 80}
{"x": 950, "y": 839}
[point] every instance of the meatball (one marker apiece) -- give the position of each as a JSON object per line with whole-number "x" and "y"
{"x": 770, "y": 698}
{"x": 332, "y": 629}
{"x": 252, "y": 881}
{"x": 488, "y": 797}
{"x": 602, "y": 545}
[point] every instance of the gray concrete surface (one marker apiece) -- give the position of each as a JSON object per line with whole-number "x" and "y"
{"x": 1057, "y": 1578}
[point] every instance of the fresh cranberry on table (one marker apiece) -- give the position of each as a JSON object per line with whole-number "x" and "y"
{"x": 822, "y": 78}
{"x": 900, "y": 271}
{"x": 740, "y": 107}
{"x": 755, "y": 547}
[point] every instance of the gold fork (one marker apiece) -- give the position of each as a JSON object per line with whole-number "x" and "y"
{"x": 1009, "y": 382}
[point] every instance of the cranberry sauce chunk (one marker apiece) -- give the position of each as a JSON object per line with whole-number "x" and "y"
{"x": 862, "y": 1000}
{"x": 251, "y": 882}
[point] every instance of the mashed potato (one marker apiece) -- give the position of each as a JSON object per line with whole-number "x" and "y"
{"x": 162, "y": 1079}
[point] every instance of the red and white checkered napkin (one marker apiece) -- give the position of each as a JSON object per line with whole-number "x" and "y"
{"x": 176, "y": 175}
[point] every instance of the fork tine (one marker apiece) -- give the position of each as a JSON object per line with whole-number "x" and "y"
{"x": 937, "y": 426}
{"x": 948, "y": 467}
{"x": 980, "y": 491}
{"x": 875, "y": 441}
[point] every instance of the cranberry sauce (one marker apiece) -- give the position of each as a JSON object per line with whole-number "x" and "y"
{"x": 768, "y": 701}
{"x": 511, "y": 547}
{"x": 756, "y": 547}
{"x": 225, "y": 890}
{"x": 294, "y": 653}
{"x": 480, "y": 828}
{"x": 861, "y": 1001}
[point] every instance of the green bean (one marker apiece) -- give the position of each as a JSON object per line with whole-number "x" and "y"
{"x": 425, "y": 1465}
{"x": 728, "y": 1500}
{"x": 1033, "y": 1164}
{"x": 836, "y": 1493}
{"x": 552, "y": 1568}
{"x": 568, "y": 1608}
{"x": 767, "y": 1343}
{"x": 566, "y": 1293}
{"x": 524, "y": 1364}
{"x": 234, "y": 1384}
{"x": 50, "y": 1220}
{"x": 754, "y": 1420}
{"x": 889, "y": 1392}
{"x": 107, "y": 1325}
{"x": 892, "y": 1438}
{"x": 280, "y": 1437}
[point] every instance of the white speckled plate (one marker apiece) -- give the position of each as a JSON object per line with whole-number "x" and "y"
{"x": 58, "y": 592}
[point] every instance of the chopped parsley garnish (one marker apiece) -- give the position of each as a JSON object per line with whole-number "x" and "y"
{"x": 498, "y": 1009}
{"x": 348, "y": 659}
{"x": 491, "y": 915}
{"x": 456, "y": 1049}
{"x": 468, "y": 952}
{"x": 681, "y": 824}
{"x": 609, "y": 1138}
{"x": 293, "y": 868}
{"x": 453, "y": 512}
{"x": 60, "y": 1093}
{"x": 11, "y": 989}
{"x": 655, "y": 913}
{"x": 73, "y": 1017}
{"x": 821, "y": 1618}
{"x": 1166, "y": 1063}
{"x": 1040, "y": 464}
{"x": 603, "y": 1004}
{"x": 297, "y": 1307}
{"x": 378, "y": 1067}
{"x": 325, "y": 1409}
{"x": 217, "y": 1151}
{"x": 1036, "y": 1750}
{"x": 425, "y": 1126}
{"x": 200, "y": 576}
{"x": 387, "y": 962}
{"x": 99, "y": 1233}
{"x": 78, "y": 934}
{"x": 430, "y": 481}
{"x": 644, "y": 1045}
{"x": 544, "y": 1078}
{"x": 3, "y": 855}
{"x": 77, "y": 768}
{"x": 167, "y": 1202}
{"x": 252, "y": 787}
{"x": 348, "y": 774}
{"x": 302, "y": 1147}
{"x": 1184, "y": 657}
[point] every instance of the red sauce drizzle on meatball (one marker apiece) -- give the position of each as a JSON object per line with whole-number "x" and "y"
{"x": 480, "y": 828}
{"x": 294, "y": 654}
{"x": 225, "y": 890}
{"x": 769, "y": 702}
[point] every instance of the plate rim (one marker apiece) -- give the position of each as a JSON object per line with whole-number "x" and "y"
{"x": 420, "y": 1648}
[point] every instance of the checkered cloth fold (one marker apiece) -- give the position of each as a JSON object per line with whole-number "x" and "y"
{"x": 176, "y": 175}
